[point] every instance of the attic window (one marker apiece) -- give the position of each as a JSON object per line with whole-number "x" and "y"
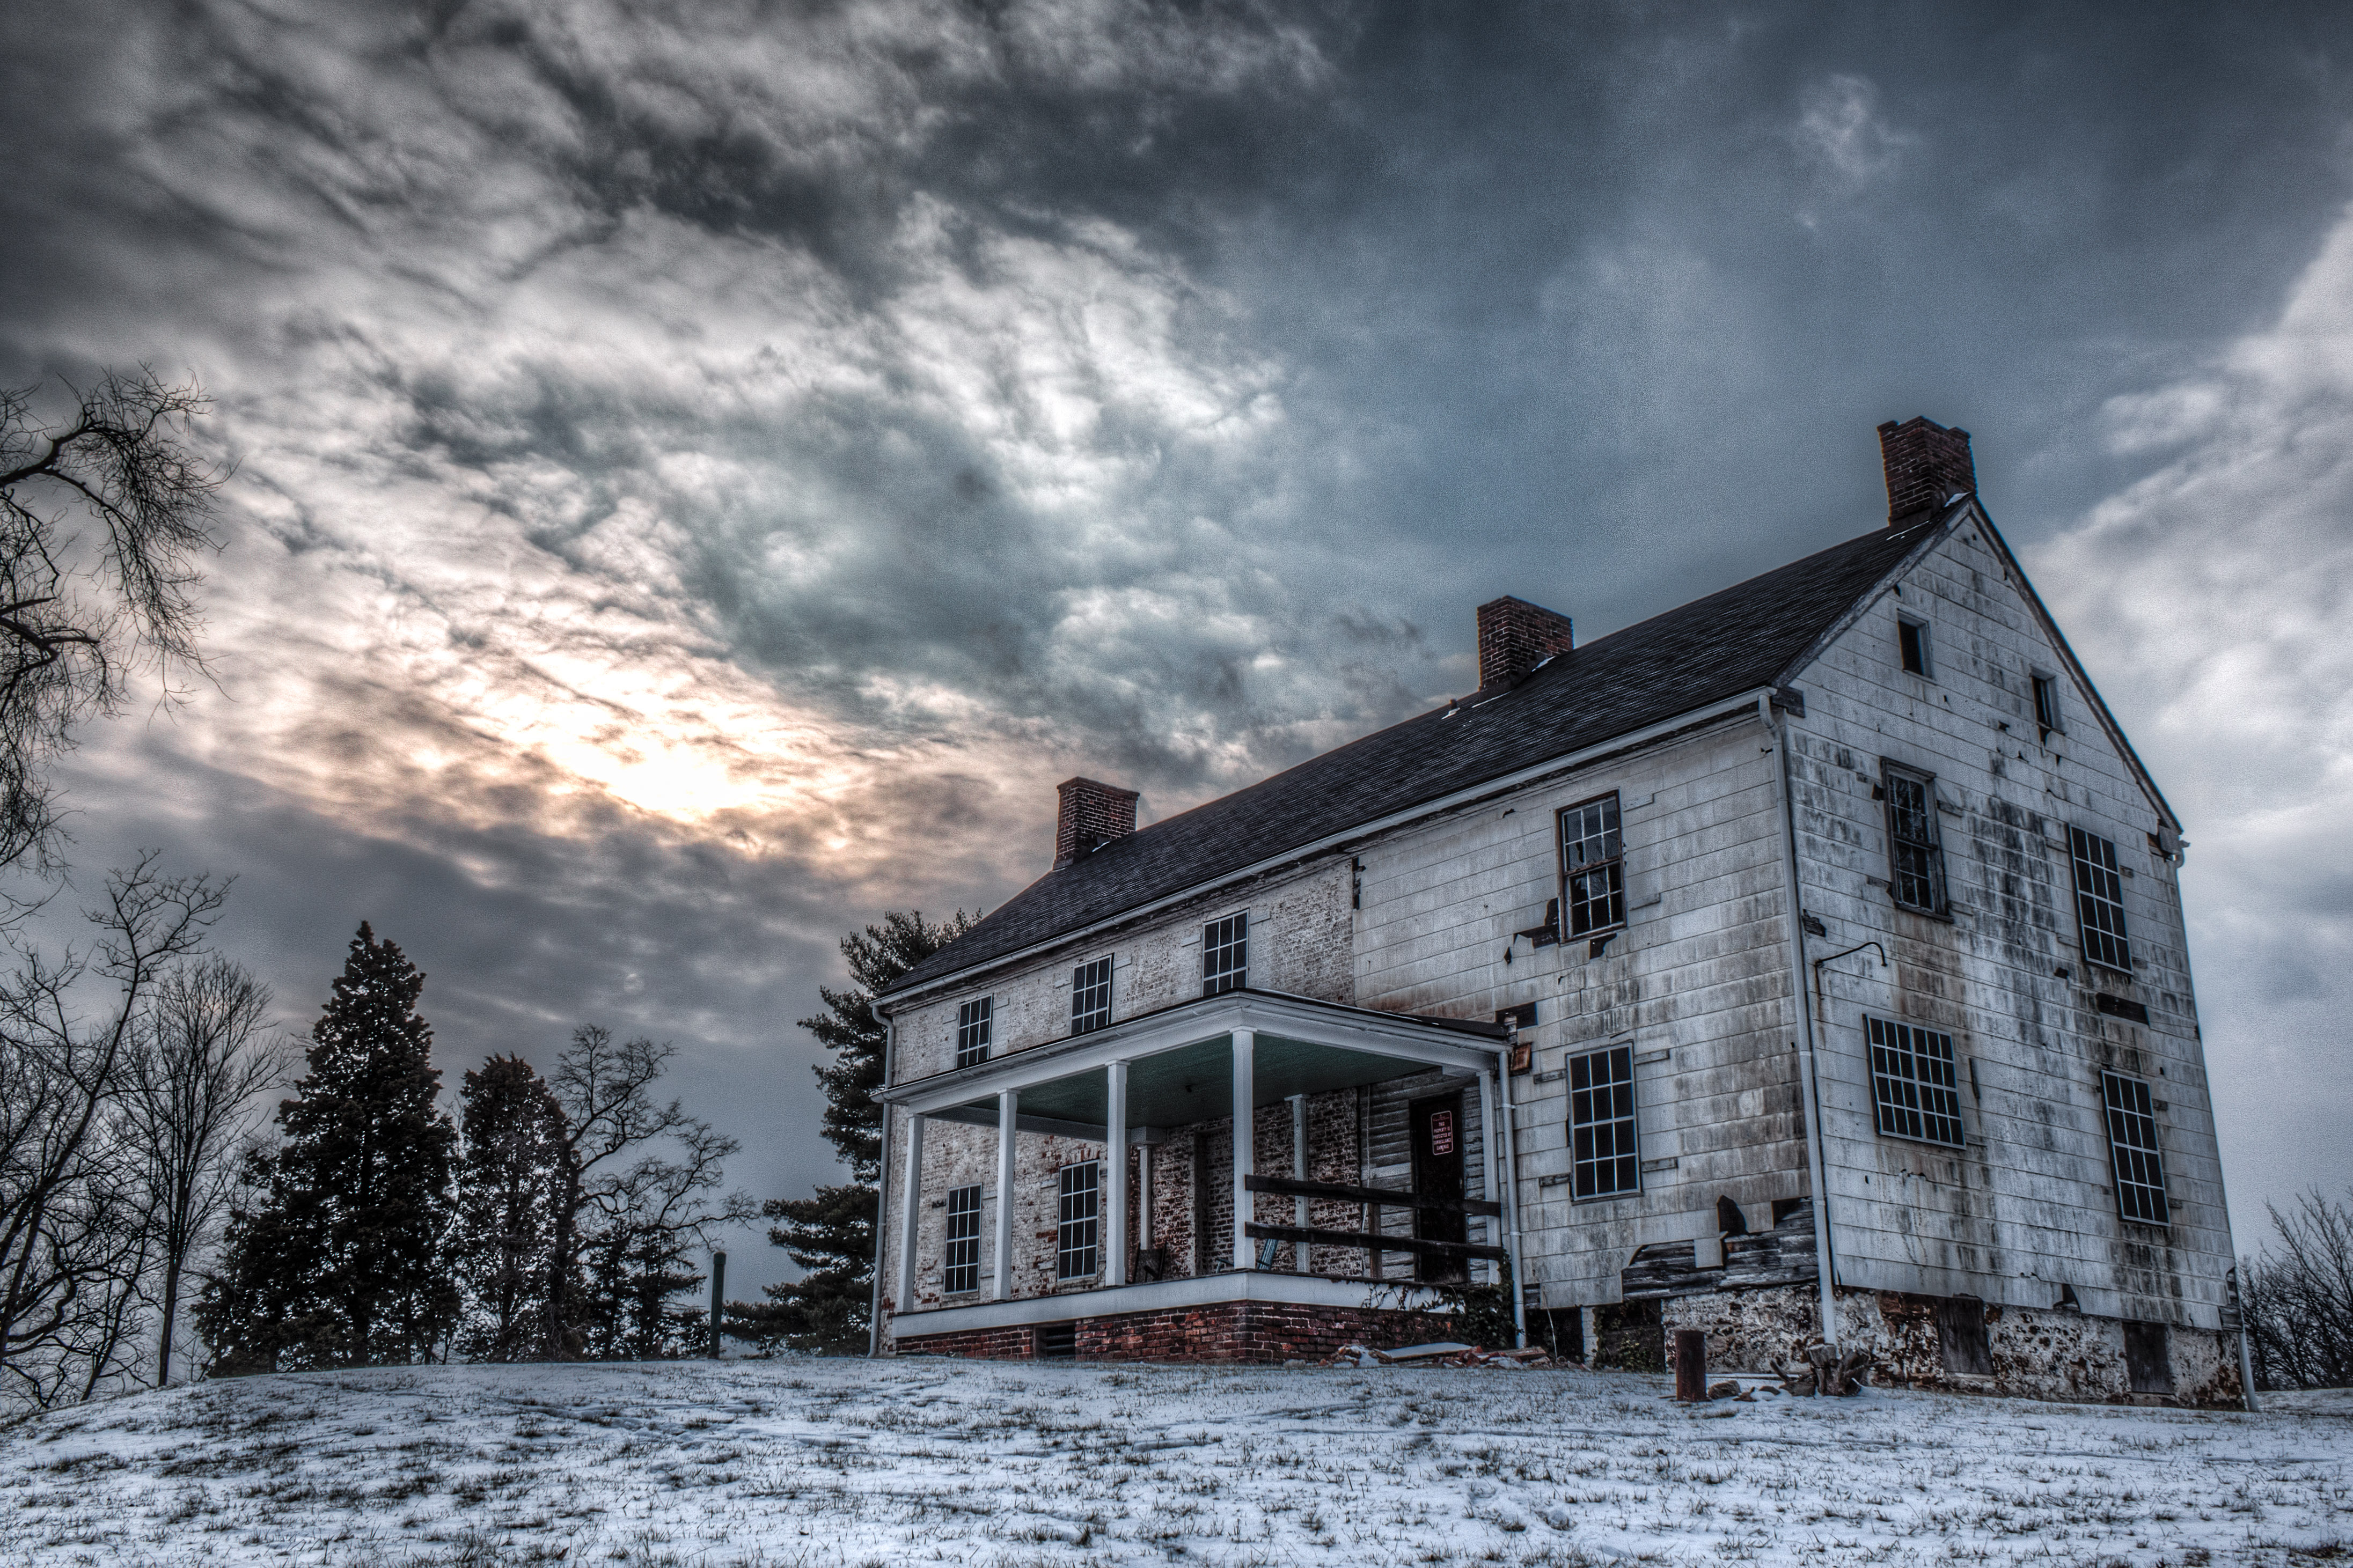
{"x": 1913, "y": 638}
{"x": 2046, "y": 705}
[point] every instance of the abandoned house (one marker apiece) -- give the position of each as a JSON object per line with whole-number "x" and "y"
{"x": 1805, "y": 962}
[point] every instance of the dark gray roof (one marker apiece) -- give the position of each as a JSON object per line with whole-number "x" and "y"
{"x": 1727, "y": 643}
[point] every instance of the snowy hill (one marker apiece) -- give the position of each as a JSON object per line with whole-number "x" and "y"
{"x": 850, "y": 1462}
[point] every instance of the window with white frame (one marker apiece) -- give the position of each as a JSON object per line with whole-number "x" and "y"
{"x": 1225, "y": 955}
{"x": 1592, "y": 866}
{"x": 974, "y": 1020}
{"x": 960, "y": 1274}
{"x": 1915, "y": 858}
{"x": 1606, "y": 1162}
{"x": 2099, "y": 900}
{"x": 2139, "y": 1162}
{"x": 1912, "y": 641}
{"x": 1091, "y": 995}
{"x": 1914, "y": 1084}
{"x": 1078, "y": 1233}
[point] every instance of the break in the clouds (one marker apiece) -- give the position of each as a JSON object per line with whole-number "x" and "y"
{"x": 703, "y": 472}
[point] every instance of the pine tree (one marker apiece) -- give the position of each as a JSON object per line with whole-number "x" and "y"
{"x": 511, "y": 1182}
{"x": 831, "y": 1235}
{"x": 342, "y": 1261}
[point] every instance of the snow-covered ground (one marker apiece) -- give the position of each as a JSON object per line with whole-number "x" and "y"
{"x": 927, "y": 1461}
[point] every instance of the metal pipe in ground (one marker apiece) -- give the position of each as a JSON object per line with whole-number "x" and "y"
{"x": 718, "y": 1300}
{"x": 1691, "y": 1366}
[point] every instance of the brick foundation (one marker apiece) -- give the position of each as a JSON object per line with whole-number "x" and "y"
{"x": 1223, "y": 1331}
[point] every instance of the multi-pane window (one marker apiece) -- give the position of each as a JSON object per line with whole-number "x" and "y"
{"x": 961, "y": 1275}
{"x": 1592, "y": 861}
{"x": 2099, "y": 900}
{"x": 1225, "y": 955}
{"x": 1911, "y": 637}
{"x": 1091, "y": 995}
{"x": 1077, "y": 1235}
{"x": 2132, "y": 1138}
{"x": 2046, "y": 705}
{"x": 1915, "y": 862}
{"x": 974, "y": 1021}
{"x": 1601, "y": 1124}
{"x": 1912, "y": 1081}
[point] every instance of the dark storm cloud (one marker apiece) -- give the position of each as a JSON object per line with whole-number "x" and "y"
{"x": 706, "y": 470}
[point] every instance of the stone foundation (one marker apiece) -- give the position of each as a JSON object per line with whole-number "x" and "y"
{"x": 2033, "y": 1353}
{"x": 1235, "y": 1332}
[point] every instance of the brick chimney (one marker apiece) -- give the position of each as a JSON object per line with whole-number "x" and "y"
{"x": 1925, "y": 465}
{"x": 1515, "y": 637}
{"x": 1092, "y": 814}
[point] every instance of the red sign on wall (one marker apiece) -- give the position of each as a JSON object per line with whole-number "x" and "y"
{"x": 1442, "y": 1132}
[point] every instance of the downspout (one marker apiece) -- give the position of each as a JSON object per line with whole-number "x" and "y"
{"x": 1511, "y": 1196}
{"x": 881, "y": 1198}
{"x": 1802, "y": 998}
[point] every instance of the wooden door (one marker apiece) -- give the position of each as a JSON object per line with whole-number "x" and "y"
{"x": 1438, "y": 1134}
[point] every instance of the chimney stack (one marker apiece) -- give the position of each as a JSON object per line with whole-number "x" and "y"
{"x": 1927, "y": 464}
{"x": 1515, "y": 637}
{"x": 1092, "y": 814}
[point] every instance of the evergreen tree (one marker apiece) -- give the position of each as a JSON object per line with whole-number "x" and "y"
{"x": 831, "y": 1235}
{"x": 340, "y": 1260}
{"x": 512, "y": 1179}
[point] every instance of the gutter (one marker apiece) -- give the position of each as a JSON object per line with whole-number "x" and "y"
{"x": 1469, "y": 795}
{"x": 1802, "y": 1000}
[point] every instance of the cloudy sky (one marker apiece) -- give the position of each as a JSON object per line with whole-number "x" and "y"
{"x": 705, "y": 471}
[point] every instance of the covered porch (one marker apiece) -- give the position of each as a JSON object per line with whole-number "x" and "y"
{"x": 1115, "y": 1098}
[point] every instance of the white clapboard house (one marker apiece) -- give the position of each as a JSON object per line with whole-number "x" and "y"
{"x": 1807, "y": 962}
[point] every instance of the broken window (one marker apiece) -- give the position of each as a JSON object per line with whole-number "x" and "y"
{"x": 1912, "y": 638}
{"x": 1078, "y": 1233}
{"x": 2099, "y": 900}
{"x": 1592, "y": 861}
{"x": 2132, "y": 1142}
{"x": 2046, "y": 705}
{"x": 1601, "y": 1124}
{"x": 1091, "y": 995}
{"x": 1916, "y": 858}
{"x": 961, "y": 1259}
{"x": 974, "y": 1021}
{"x": 1913, "y": 1083}
{"x": 1225, "y": 955}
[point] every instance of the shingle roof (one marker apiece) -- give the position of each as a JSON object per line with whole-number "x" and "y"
{"x": 1737, "y": 640}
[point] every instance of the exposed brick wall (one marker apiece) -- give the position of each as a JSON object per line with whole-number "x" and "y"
{"x": 1515, "y": 637}
{"x": 1925, "y": 462}
{"x": 1223, "y": 1331}
{"x": 1091, "y": 811}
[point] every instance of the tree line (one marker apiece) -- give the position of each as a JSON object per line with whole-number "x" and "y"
{"x": 2296, "y": 1296}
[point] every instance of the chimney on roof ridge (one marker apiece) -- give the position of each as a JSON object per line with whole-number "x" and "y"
{"x": 1515, "y": 637}
{"x": 1092, "y": 814}
{"x": 1927, "y": 465}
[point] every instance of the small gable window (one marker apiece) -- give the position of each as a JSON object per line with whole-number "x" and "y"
{"x": 1225, "y": 955}
{"x": 1091, "y": 995}
{"x": 2046, "y": 705}
{"x": 1913, "y": 638}
{"x": 974, "y": 1020}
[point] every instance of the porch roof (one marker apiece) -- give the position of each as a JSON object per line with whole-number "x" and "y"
{"x": 1179, "y": 1065}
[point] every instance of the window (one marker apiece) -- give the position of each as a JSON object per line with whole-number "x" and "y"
{"x": 1601, "y": 1124}
{"x": 961, "y": 1273}
{"x": 2132, "y": 1140}
{"x": 2046, "y": 705}
{"x": 1913, "y": 637}
{"x": 2099, "y": 900}
{"x": 1225, "y": 955}
{"x": 973, "y": 1020}
{"x": 1913, "y": 1082}
{"x": 1590, "y": 861}
{"x": 1915, "y": 862}
{"x": 1076, "y": 1237}
{"x": 1091, "y": 995}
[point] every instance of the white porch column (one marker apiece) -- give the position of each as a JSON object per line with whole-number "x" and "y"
{"x": 910, "y": 1213}
{"x": 1489, "y": 1134}
{"x": 1299, "y": 1173}
{"x": 1245, "y": 1138}
{"x": 1009, "y": 1101}
{"x": 1115, "y": 1172}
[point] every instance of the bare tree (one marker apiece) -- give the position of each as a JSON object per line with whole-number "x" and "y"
{"x": 72, "y": 1237}
{"x": 2298, "y": 1300}
{"x": 102, "y": 518}
{"x": 203, "y": 1056}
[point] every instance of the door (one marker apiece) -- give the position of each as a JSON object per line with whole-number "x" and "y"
{"x": 1438, "y": 1173}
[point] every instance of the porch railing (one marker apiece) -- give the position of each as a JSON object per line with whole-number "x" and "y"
{"x": 1380, "y": 1197}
